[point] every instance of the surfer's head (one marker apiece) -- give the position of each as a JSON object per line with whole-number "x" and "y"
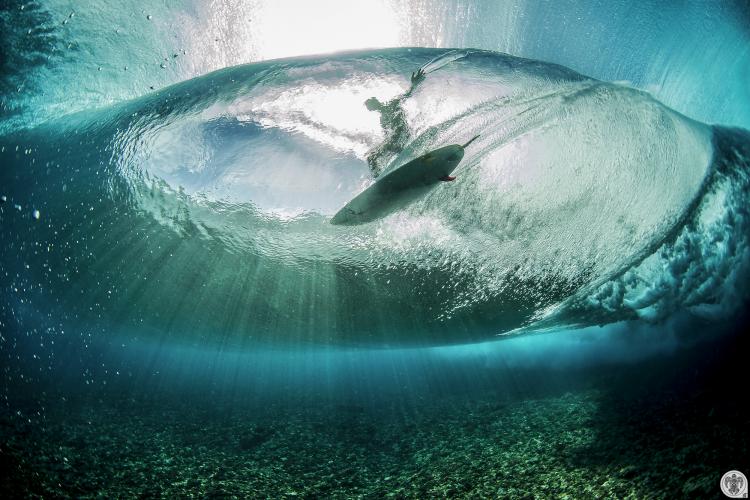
{"x": 373, "y": 104}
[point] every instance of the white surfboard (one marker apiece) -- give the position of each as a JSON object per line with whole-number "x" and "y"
{"x": 401, "y": 186}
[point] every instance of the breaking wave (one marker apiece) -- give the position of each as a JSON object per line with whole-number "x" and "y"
{"x": 201, "y": 211}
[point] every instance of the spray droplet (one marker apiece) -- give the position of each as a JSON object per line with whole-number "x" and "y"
{"x": 163, "y": 65}
{"x": 35, "y": 214}
{"x": 149, "y": 17}
{"x": 3, "y": 199}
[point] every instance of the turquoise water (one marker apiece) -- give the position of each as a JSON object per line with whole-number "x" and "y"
{"x": 171, "y": 276}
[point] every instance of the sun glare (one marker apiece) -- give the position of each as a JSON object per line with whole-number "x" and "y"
{"x": 287, "y": 28}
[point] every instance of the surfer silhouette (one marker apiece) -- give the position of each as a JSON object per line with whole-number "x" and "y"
{"x": 393, "y": 121}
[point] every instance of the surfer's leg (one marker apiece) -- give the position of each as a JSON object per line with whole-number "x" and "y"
{"x": 379, "y": 157}
{"x": 373, "y": 161}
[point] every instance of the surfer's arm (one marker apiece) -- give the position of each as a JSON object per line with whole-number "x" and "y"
{"x": 417, "y": 77}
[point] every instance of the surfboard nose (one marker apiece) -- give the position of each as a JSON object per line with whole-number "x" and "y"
{"x": 456, "y": 156}
{"x": 453, "y": 157}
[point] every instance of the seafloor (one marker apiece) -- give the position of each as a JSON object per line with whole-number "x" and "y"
{"x": 665, "y": 428}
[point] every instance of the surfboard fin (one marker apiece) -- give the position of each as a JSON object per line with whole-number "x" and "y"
{"x": 447, "y": 178}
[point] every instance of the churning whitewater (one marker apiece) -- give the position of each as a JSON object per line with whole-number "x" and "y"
{"x": 206, "y": 206}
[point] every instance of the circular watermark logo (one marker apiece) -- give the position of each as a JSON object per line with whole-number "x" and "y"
{"x": 734, "y": 484}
